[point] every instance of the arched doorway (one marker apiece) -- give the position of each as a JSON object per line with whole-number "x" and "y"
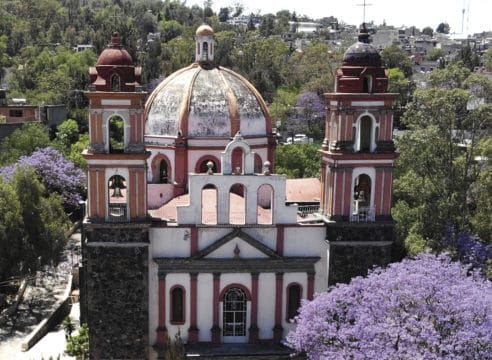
{"x": 234, "y": 315}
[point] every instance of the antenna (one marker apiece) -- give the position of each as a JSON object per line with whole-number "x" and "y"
{"x": 463, "y": 17}
{"x": 364, "y": 11}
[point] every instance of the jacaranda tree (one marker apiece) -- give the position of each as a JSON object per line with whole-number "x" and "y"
{"x": 58, "y": 175}
{"x": 426, "y": 308}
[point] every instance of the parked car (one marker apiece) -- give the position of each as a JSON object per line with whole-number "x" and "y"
{"x": 301, "y": 139}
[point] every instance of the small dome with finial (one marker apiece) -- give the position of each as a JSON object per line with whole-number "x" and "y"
{"x": 362, "y": 53}
{"x": 115, "y": 53}
{"x": 204, "y": 30}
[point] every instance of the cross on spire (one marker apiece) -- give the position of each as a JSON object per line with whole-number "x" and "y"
{"x": 115, "y": 17}
{"x": 364, "y": 4}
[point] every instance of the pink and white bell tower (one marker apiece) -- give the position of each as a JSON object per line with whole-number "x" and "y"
{"x": 358, "y": 156}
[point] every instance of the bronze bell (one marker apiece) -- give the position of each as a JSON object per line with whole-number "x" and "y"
{"x": 117, "y": 184}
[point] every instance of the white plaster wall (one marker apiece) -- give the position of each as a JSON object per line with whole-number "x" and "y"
{"x": 170, "y": 242}
{"x": 304, "y": 241}
{"x": 309, "y": 241}
{"x": 247, "y": 251}
{"x": 207, "y": 236}
{"x": 266, "y": 305}
{"x": 267, "y": 236}
{"x": 205, "y": 311}
{"x": 159, "y": 194}
{"x": 282, "y": 214}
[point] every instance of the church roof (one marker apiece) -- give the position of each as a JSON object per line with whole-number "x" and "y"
{"x": 203, "y": 101}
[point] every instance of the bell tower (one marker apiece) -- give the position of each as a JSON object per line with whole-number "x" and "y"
{"x": 115, "y": 244}
{"x": 358, "y": 156}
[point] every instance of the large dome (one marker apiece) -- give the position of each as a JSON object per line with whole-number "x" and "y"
{"x": 206, "y": 102}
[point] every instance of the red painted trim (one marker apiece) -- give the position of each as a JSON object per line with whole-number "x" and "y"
{"x": 216, "y": 307}
{"x": 310, "y": 289}
{"x": 207, "y": 158}
{"x": 171, "y": 305}
{"x": 193, "y": 331}
{"x": 254, "y": 298}
{"x": 161, "y": 334}
{"x": 279, "y": 281}
{"x": 240, "y": 286}
{"x": 280, "y": 239}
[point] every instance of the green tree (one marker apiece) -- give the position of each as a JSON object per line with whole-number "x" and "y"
{"x": 67, "y": 135}
{"x": 469, "y": 58}
{"x": 11, "y": 232}
{"x": 451, "y": 77}
{"x": 443, "y": 28}
{"x": 428, "y": 31}
{"x": 78, "y": 345}
{"x": 23, "y": 142}
{"x": 398, "y": 83}
{"x": 395, "y": 57}
{"x": 487, "y": 59}
{"x": 298, "y": 161}
{"x": 436, "y": 172}
{"x": 435, "y": 54}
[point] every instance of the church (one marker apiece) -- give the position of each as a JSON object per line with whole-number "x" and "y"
{"x": 189, "y": 231}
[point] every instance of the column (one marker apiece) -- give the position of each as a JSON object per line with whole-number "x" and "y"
{"x": 161, "y": 329}
{"x": 310, "y": 287}
{"x": 253, "y": 329}
{"x": 279, "y": 286}
{"x": 193, "y": 330}
{"x": 216, "y": 307}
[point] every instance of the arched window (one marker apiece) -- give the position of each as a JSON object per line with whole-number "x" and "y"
{"x": 237, "y": 161}
{"x": 115, "y": 83}
{"x": 258, "y": 164}
{"x": 205, "y": 51}
{"x": 163, "y": 172}
{"x": 237, "y": 204}
{"x": 294, "y": 296}
{"x": 365, "y": 138}
{"x": 177, "y": 315}
{"x": 234, "y": 312}
{"x": 201, "y": 166}
{"x": 209, "y": 205}
{"x": 117, "y": 198}
{"x": 265, "y": 204}
{"x": 116, "y": 134}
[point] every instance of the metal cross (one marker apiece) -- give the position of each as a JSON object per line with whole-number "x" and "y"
{"x": 364, "y": 11}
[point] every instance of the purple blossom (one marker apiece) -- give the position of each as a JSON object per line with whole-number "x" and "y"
{"x": 57, "y": 174}
{"x": 427, "y": 308}
{"x": 469, "y": 248}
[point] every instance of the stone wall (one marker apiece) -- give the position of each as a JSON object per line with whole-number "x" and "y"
{"x": 116, "y": 285}
{"x": 357, "y": 247}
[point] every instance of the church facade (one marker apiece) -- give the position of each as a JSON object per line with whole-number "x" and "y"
{"x": 188, "y": 229}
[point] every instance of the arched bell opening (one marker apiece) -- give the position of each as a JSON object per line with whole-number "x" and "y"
{"x": 117, "y": 198}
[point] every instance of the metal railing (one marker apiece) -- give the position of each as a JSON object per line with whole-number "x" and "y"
{"x": 364, "y": 214}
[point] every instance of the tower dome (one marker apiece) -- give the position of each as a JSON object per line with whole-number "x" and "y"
{"x": 362, "y": 53}
{"x": 115, "y": 54}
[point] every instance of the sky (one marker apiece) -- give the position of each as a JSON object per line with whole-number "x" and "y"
{"x": 420, "y": 13}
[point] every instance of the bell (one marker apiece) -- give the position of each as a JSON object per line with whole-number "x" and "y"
{"x": 117, "y": 184}
{"x": 117, "y": 192}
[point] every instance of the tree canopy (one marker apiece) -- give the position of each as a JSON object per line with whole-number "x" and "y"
{"x": 424, "y": 308}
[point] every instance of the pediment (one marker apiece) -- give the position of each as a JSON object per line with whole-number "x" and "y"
{"x": 237, "y": 244}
